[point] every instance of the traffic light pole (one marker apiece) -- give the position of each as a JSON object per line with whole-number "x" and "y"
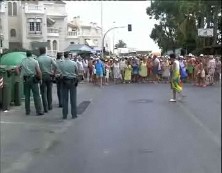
{"x": 103, "y": 40}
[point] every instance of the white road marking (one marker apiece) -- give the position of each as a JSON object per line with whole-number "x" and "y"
{"x": 200, "y": 124}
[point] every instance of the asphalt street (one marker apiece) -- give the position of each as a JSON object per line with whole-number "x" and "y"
{"x": 128, "y": 128}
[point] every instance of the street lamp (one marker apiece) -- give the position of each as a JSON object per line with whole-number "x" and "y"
{"x": 117, "y": 27}
{"x": 106, "y": 34}
{"x": 101, "y": 15}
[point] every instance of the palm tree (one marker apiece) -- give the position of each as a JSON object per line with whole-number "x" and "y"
{"x": 120, "y": 44}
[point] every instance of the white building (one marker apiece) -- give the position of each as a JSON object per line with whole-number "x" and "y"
{"x": 84, "y": 33}
{"x": 29, "y": 24}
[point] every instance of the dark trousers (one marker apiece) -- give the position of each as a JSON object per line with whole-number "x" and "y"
{"x": 69, "y": 88}
{"x": 30, "y": 85}
{"x": 46, "y": 92}
{"x": 59, "y": 90}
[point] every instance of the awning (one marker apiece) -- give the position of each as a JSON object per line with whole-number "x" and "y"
{"x": 97, "y": 48}
{"x": 79, "y": 48}
{"x": 90, "y": 43}
{"x": 50, "y": 21}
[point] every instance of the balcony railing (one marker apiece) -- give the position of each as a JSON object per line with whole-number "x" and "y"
{"x": 2, "y": 7}
{"x": 89, "y": 34}
{"x": 35, "y": 34}
{"x": 34, "y": 9}
{"x": 53, "y": 32}
{"x": 73, "y": 33}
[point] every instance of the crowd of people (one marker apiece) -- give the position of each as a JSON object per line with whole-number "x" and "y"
{"x": 68, "y": 70}
{"x": 201, "y": 71}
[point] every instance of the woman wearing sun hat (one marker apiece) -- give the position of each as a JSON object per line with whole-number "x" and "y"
{"x": 143, "y": 70}
{"x": 128, "y": 72}
{"x": 116, "y": 71}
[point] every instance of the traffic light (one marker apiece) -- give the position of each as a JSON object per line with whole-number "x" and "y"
{"x": 129, "y": 27}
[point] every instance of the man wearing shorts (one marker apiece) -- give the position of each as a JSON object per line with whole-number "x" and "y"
{"x": 99, "y": 71}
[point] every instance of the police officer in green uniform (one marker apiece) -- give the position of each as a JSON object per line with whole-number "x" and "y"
{"x": 70, "y": 82}
{"x": 58, "y": 76}
{"x": 31, "y": 73}
{"x": 46, "y": 64}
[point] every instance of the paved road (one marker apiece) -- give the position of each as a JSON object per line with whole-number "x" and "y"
{"x": 126, "y": 129}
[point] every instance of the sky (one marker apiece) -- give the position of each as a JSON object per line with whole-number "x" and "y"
{"x": 122, "y": 13}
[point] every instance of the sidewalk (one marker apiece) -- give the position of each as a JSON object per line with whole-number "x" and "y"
{"x": 23, "y": 137}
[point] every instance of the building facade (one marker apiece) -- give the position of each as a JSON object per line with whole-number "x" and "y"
{"x": 31, "y": 24}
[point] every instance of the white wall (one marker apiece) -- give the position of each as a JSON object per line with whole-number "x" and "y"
{"x": 26, "y": 38}
{"x": 57, "y": 11}
{"x": 52, "y": 8}
{"x": 61, "y": 24}
{"x": 4, "y": 23}
{"x": 15, "y": 23}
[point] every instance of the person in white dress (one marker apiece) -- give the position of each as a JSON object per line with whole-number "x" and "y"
{"x": 211, "y": 69}
{"x": 86, "y": 68}
{"x": 122, "y": 65}
{"x": 166, "y": 71}
{"x": 107, "y": 68}
{"x": 116, "y": 71}
{"x": 80, "y": 68}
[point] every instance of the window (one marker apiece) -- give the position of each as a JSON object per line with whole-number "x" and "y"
{"x": 38, "y": 26}
{"x": 49, "y": 44}
{"x": 13, "y": 33}
{"x": 72, "y": 42}
{"x": 54, "y": 45}
{"x": 14, "y": 9}
{"x": 31, "y": 26}
{"x": 9, "y": 8}
{"x": 35, "y": 25}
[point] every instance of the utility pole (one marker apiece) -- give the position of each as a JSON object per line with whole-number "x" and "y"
{"x": 101, "y": 6}
{"x": 113, "y": 38}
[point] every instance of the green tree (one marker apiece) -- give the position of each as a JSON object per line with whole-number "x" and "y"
{"x": 120, "y": 44}
{"x": 179, "y": 22}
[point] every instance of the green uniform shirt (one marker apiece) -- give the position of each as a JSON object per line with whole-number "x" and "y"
{"x": 46, "y": 64}
{"x": 28, "y": 66}
{"x": 69, "y": 68}
{"x": 58, "y": 65}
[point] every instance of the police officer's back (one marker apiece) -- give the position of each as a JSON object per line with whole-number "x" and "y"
{"x": 69, "y": 73}
{"x": 32, "y": 75}
{"x": 47, "y": 65}
{"x": 58, "y": 76}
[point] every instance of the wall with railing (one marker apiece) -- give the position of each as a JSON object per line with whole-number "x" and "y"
{"x": 32, "y": 8}
{"x": 53, "y": 32}
{"x": 72, "y": 33}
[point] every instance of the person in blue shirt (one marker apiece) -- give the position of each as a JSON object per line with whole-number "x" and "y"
{"x": 135, "y": 67}
{"x": 99, "y": 71}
